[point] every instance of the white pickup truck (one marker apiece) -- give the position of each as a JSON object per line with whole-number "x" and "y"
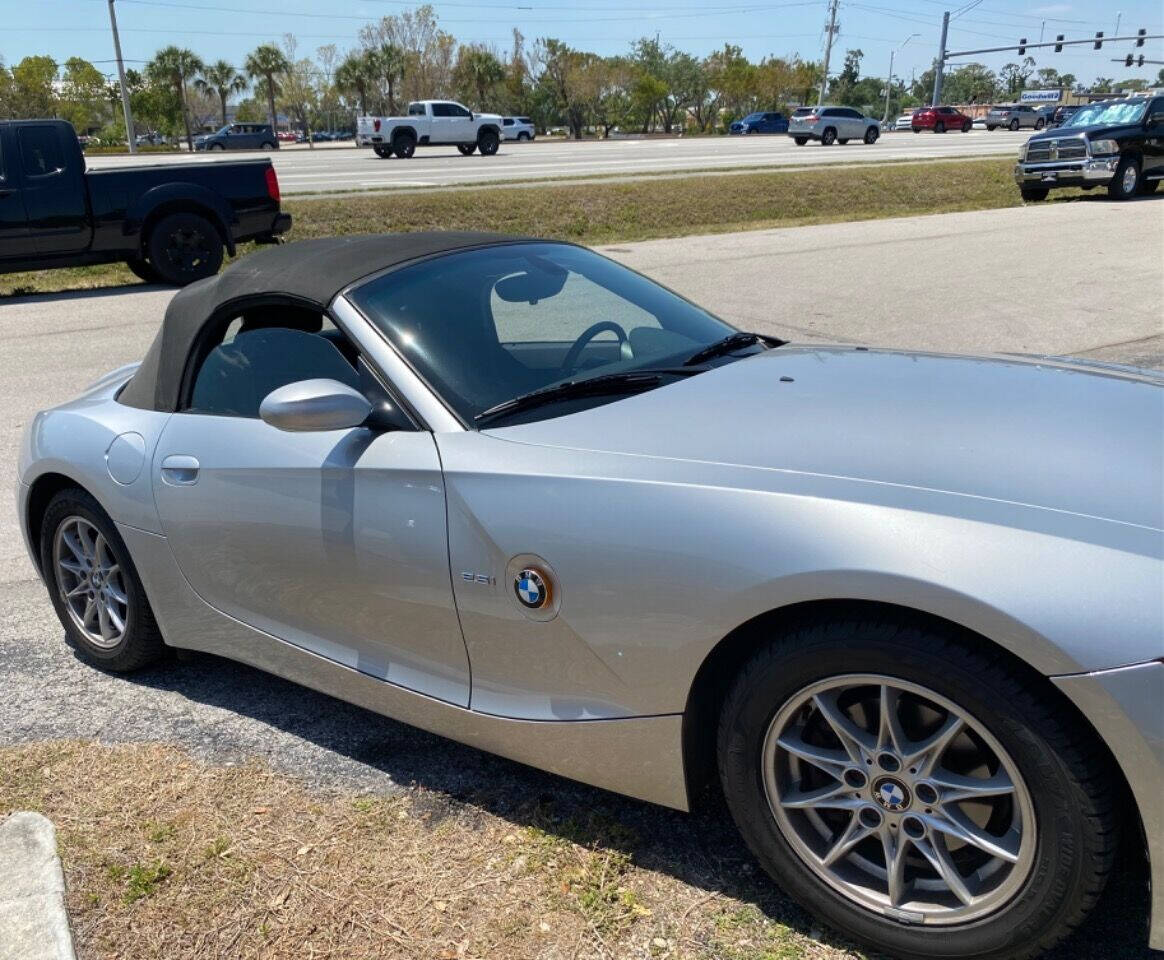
{"x": 429, "y": 123}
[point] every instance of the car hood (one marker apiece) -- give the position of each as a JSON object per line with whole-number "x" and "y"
{"x": 1078, "y": 437}
{"x": 1095, "y": 131}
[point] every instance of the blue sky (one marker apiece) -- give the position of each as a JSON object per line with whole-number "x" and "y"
{"x": 229, "y": 28}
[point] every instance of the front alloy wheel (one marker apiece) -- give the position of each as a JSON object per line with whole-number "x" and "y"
{"x": 898, "y": 799}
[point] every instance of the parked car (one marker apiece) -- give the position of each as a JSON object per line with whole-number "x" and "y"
{"x": 431, "y": 123}
{"x": 832, "y": 125}
{"x": 904, "y": 122}
{"x": 285, "y": 136}
{"x": 1063, "y": 114}
{"x": 761, "y": 122}
{"x": 239, "y": 136}
{"x": 1115, "y": 143}
{"x": 169, "y": 223}
{"x": 1013, "y": 116}
{"x": 517, "y": 128}
{"x": 912, "y": 623}
{"x": 149, "y": 139}
{"x": 940, "y": 120}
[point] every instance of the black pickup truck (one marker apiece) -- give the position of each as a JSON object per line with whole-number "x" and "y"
{"x": 169, "y": 222}
{"x": 1118, "y": 144}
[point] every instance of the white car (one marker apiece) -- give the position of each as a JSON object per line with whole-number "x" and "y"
{"x": 904, "y": 122}
{"x": 431, "y": 123}
{"x": 517, "y": 128}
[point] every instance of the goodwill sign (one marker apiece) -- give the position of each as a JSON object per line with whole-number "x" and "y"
{"x": 1039, "y": 96}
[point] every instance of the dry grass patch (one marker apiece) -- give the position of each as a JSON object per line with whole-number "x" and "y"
{"x": 603, "y": 212}
{"x": 166, "y": 857}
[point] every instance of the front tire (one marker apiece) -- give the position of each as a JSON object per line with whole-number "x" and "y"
{"x": 1034, "y": 194}
{"x": 1013, "y": 126}
{"x": 383, "y": 151}
{"x": 94, "y": 585}
{"x": 967, "y": 126}
{"x": 1126, "y": 182}
{"x": 939, "y": 127}
{"x": 917, "y": 790}
{"x": 871, "y": 135}
{"x": 184, "y": 247}
{"x": 800, "y": 141}
{"x": 488, "y": 142}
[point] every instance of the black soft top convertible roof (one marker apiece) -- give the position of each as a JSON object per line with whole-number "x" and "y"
{"x": 310, "y": 272}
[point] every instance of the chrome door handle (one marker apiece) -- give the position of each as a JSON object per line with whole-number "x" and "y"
{"x": 179, "y": 470}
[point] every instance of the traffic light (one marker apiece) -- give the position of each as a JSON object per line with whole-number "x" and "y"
{"x": 1059, "y": 43}
{"x": 1022, "y": 46}
{"x": 1128, "y": 60}
{"x": 1099, "y": 40}
{"x": 1140, "y": 34}
{"x": 1140, "y": 62}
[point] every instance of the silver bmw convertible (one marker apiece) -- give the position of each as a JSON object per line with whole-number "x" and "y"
{"x": 906, "y": 608}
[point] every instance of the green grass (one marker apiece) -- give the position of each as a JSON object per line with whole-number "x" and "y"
{"x": 604, "y": 212}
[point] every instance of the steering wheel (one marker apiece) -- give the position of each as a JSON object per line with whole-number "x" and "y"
{"x": 570, "y": 361}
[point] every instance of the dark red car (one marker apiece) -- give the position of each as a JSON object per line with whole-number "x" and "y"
{"x": 940, "y": 119}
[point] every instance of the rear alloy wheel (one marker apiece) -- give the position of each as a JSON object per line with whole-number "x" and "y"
{"x": 829, "y": 137}
{"x": 1126, "y": 182}
{"x": 404, "y": 145}
{"x": 1013, "y": 125}
{"x": 184, "y": 247}
{"x": 916, "y": 791}
{"x": 1034, "y": 194}
{"x": 871, "y": 135}
{"x": 487, "y": 142}
{"x": 939, "y": 127}
{"x": 94, "y": 586}
{"x": 466, "y": 148}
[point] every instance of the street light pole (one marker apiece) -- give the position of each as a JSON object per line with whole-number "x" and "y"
{"x": 824, "y": 80}
{"x": 129, "y": 137}
{"x": 889, "y": 82}
{"x": 941, "y": 64}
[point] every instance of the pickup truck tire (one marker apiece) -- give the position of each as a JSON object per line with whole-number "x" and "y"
{"x": 143, "y": 269}
{"x": 800, "y": 141}
{"x": 487, "y": 142}
{"x": 404, "y": 145}
{"x": 382, "y": 151}
{"x": 466, "y": 148}
{"x": 1149, "y": 186}
{"x": 1126, "y": 182}
{"x": 829, "y": 137}
{"x": 1034, "y": 194}
{"x": 184, "y": 247}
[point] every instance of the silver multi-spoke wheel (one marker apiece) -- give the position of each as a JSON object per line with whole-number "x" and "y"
{"x": 91, "y": 582}
{"x": 899, "y": 799}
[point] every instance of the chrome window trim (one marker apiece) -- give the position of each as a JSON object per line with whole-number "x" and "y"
{"x": 432, "y": 410}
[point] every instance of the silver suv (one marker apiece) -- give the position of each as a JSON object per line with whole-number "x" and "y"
{"x": 1015, "y": 115}
{"x": 832, "y": 125}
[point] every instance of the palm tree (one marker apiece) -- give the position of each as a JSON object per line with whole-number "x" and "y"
{"x": 223, "y": 79}
{"x": 267, "y": 63}
{"x": 357, "y": 74}
{"x": 175, "y": 66}
{"x": 388, "y": 64}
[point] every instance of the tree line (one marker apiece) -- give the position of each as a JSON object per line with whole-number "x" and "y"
{"x": 407, "y": 56}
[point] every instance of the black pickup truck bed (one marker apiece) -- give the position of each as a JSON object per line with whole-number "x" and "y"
{"x": 169, "y": 222}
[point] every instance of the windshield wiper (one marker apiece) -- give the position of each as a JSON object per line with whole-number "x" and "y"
{"x": 733, "y": 341}
{"x": 610, "y": 383}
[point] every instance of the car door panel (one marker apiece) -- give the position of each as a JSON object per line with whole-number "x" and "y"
{"x": 333, "y": 541}
{"x": 54, "y": 190}
{"x": 14, "y": 237}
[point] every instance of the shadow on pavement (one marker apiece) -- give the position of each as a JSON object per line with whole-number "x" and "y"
{"x": 83, "y": 293}
{"x": 701, "y": 849}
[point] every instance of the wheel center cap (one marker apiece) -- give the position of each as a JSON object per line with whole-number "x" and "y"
{"x": 891, "y": 793}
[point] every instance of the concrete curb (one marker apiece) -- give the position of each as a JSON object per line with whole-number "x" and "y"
{"x": 33, "y": 922}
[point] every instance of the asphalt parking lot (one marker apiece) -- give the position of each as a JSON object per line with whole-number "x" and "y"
{"x": 343, "y": 167}
{"x": 1081, "y": 278}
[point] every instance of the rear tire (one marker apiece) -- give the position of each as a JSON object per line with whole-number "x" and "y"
{"x": 466, "y": 148}
{"x": 829, "y": 137}
{"x": 488, "y": 142}
{"x": 73, "y": 516}
{"x": 800, "y": 141}
{"x": 1058, "y": 815}
{"x": 143, "y": 269}
{"x": 1034, "y": 194}
{"x": 1126, "y": 182}
{"x": 989, "y": 127}
{"x": 404, "y": 145}
{"x": 1149, "y": 186}
{"x": 381, "y": 150}
{"x": 184, "y": 247}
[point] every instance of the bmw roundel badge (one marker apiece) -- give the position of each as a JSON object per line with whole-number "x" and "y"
{"x": 532, "y": 589}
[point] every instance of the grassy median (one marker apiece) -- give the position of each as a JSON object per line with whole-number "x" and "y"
{"x": 604, "y": 212}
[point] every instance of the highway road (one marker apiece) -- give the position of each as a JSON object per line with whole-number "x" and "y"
{"x": 344, "y": 167}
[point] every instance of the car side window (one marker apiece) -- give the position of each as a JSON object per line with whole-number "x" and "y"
{"x": 41, "y": 152}
{"x": 455, "y": 110}
{"x": 416, "y": 110}
{"x": 561, "y": 318}
{"x": 442, "y": 110}
{"x": 238, "y": 374}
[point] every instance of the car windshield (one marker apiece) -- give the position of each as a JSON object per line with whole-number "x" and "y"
{"x": 754, "y": 116}
{"x": 225, "y": 129}
{"x": 1125, "y": 111}
{"x": 489, "y": 325}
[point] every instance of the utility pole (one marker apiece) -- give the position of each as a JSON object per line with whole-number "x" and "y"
{"x": 889, "y": 82}
{"x": 941, "y": 64}
{"x": 832, "y": 29}
{"x": 1119, "y": 15}
{"x": 129, "y": 133}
